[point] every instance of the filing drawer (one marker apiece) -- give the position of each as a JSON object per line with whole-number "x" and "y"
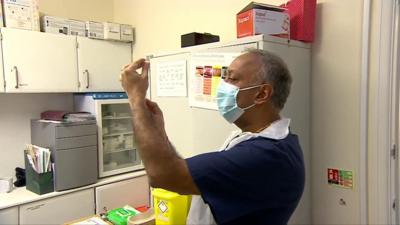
{"x": 75, "y": 167}
{"x": 76, "y": 142}
{"x": 73, "y": 131}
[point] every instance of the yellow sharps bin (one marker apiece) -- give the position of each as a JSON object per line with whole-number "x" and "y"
{"x": 170, "y": 208}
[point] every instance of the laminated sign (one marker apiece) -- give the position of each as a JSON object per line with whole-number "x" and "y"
{"x": 340, "y": 178}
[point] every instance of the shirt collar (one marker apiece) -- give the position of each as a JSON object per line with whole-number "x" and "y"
{"x": 277, "y": 130}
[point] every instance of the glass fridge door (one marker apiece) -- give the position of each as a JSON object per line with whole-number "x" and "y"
{"x": 118, "y": 151}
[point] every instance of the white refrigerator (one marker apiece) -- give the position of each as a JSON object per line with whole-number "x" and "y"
{"x": 117, "y": 151}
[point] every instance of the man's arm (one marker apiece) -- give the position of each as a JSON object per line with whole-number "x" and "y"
{"x": 164, "y": 167}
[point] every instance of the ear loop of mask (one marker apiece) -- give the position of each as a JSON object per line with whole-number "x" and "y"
{"x": 248, "y": 88}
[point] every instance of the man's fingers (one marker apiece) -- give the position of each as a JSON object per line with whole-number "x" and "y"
{"x": 136, "y": 65}
{"x": 145, "y": 70}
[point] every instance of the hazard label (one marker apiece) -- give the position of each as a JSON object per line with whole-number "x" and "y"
{"x": 162, "y": 206}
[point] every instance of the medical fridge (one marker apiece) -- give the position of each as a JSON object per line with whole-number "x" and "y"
{"x": 117, "y": 147}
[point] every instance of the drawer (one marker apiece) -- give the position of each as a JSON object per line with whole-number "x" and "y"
{"x": 76, "y": 142}
{"x": 74, "y": 131}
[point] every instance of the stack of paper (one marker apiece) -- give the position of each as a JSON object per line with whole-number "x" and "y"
{"x": 39, "y": 158}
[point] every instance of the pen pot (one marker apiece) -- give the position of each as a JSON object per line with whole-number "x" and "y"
{"x": 39, "y": 183}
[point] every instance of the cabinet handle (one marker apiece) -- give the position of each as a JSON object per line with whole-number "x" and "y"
{"x": 15, "y": 69}
{"x": 35, "y": 207}
{"x": 87, "y": 78}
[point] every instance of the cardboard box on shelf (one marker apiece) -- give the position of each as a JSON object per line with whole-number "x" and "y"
{"x": 302, "y": 19}
{"x": 77, "y": 28}
{"x": 112, "y": 31}
{"x": 94, "y": 30}
{"x": 258, "y": 18}
{"x": 55, "y": 25}
{"x": 21, "y": 14}
{"x": 126, "y": 33}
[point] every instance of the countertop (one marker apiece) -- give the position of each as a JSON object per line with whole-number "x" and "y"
{"x": 21, "y": 196}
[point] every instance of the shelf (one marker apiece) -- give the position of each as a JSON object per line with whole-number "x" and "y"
{"x": 116, "y": 118}
{"x": 121, "y": 166}
{"x": 117, "y": 134}
{"x": 120, "y": 150}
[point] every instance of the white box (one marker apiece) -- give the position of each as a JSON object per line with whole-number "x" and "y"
{"x": 126, "y": 33}
{"x": 112, "y": 31}
{"x": 94, "y": 30}
{"x": 22, "y": 14}
{"x": 55, "y": 25}
{"x": 77, "y": 28}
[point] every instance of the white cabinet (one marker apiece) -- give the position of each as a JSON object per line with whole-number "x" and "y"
{"x": 58, "y": 210}
{"x": 100, "y": 64}
{"x": 9, "y": 216}
{"x": 134, "y": 192}
{"x": 39, "y": 62}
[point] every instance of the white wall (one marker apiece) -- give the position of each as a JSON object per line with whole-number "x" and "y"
{"x": 95, "y": 10}
{"x": 159, "y": 24}
{"x": 336, "y": 61}
{"x": 16, "y": 111}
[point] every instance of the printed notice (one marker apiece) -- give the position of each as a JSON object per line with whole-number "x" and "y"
{"x": 206, "y": 72}
{"x": 171, "y": 79}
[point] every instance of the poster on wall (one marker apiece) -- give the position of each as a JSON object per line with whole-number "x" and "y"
{"x": 205, "y": 74}
{"x": 171, "y": 79}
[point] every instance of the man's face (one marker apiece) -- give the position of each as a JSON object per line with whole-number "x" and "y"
{"x": 242, "y": 73}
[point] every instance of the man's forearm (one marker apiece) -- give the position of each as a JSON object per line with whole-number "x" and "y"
{"x": 154, "y": 148}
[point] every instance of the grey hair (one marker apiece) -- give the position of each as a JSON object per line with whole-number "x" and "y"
{"x": 274, "y": 71}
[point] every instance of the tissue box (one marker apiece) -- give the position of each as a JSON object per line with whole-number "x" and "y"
{"x": 77, "y": 28}
{"x": 112, "y": 31}
{"x": 258, "y": 18}
{"x": 94, "y": 30}
{"x": 126, "y": 33}
{"x": 22, "y": 14}
{"x": 55, "y": 25}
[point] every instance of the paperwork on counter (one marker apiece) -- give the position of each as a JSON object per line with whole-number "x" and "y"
{"x": 39, "y": 158}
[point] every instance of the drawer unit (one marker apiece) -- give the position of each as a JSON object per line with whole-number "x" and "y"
{"x": 74, "y": 151}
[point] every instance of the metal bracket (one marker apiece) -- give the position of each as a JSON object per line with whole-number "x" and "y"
{"x": 393, "y": 151}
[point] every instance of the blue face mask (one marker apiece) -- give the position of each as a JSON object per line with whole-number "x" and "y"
{"x": 226, "y": 100}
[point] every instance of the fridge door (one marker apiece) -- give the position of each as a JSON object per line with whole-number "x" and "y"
{"x": 117, "y": 147}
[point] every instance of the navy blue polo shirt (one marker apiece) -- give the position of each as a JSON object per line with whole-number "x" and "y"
{"x": 258, "y": 181}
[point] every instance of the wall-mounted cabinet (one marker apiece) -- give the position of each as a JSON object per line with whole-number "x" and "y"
{"x": 39, "y": 62}
{"x": 100, "y": 64}
{"x": 36, "y": 62}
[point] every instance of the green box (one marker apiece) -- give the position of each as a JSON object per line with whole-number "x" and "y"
{"x": 119, "y": 216}
{"x": 38, "y": 183}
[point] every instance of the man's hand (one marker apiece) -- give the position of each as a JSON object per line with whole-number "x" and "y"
{"x": 135, "y": 84}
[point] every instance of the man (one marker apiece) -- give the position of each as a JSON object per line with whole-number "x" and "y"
{"x": 258, "y": 176}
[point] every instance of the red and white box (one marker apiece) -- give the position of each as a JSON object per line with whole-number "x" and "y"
{"x": 258, "y": 18}
{"x": 302, "y": 19}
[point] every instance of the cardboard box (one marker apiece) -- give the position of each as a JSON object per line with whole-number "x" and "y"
{"x": 126, "y": 33}
{"x": 77, "y": 28}
{"x": 94, "y": 30}
{"x": 258, "y": 18}
{"x": 112, "y": 31}
{"x": 55, "y": 25}
{"x": 22, "y": 14}
{"x": 302, "y": 19}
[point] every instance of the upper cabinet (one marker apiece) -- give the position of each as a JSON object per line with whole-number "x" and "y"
{"x": 39, "y": 62}
{"x": 100, "y": 64}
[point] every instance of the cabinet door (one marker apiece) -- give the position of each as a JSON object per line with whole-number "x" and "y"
{"x": 39, "y": 62}
{"x": 58, "y": 210}
{"x": 100, "y": 64}
{"x": 9, "y": 216}
{"x": 134, "y": 192}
